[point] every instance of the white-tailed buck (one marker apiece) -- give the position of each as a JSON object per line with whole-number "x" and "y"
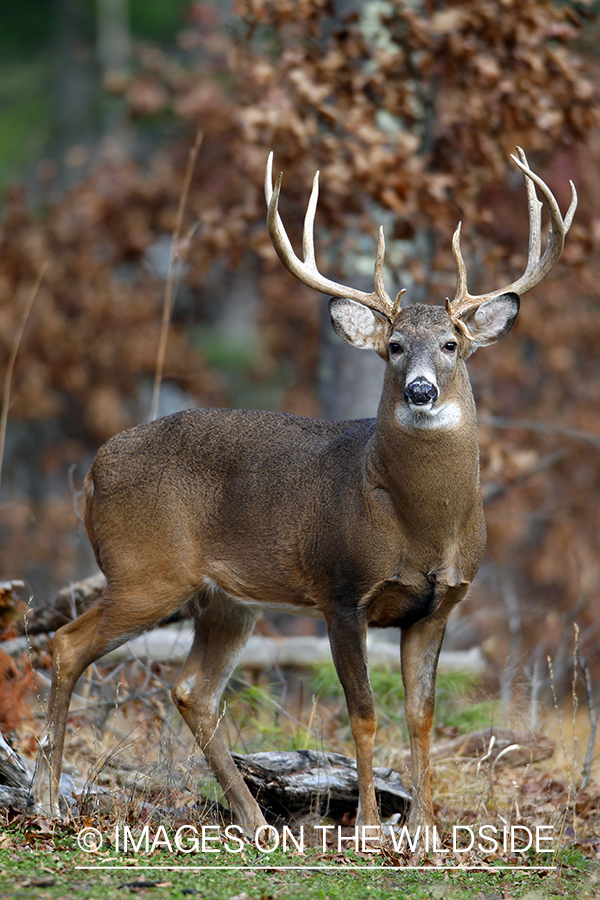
{"x": 375, "y": 522}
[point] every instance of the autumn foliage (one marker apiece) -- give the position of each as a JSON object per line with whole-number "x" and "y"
{"x": 410, "y": 111}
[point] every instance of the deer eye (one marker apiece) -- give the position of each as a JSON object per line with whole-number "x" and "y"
{"x": 396, "y": 348}
{"x": 450, "y": 346}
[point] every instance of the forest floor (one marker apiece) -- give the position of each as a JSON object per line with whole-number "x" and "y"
{"x": 156, "y": 836}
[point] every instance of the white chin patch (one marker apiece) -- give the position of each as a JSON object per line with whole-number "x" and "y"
{"x": 426, "y": 409}
{"x": 444, "y": 415}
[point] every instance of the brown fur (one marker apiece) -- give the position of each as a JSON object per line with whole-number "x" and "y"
{"x": 362, "y": 523}
{"x": 375, "y": 522}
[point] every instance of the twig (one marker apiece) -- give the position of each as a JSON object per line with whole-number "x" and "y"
{"x": 536, "y": 686}
{"x": 75, "y": 493}
{"x": 575, "y": 701}
{"x": 174, "y": 256}
{"x": 539, "y": 427}
{"x": 560, "y": 731}
{"x": 492, "y": 491}
{"x": 12, "y": 360}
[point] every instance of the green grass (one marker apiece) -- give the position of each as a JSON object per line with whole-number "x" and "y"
{"x": 459, "y": 703}
{"x": 34, "y": 864}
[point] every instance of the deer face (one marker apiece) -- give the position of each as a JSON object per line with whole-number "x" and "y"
{"x": 424, "y": 348}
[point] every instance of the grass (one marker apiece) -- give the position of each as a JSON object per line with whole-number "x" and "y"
{"x": 460, "y": 705}
{"x": 42, "y": 863}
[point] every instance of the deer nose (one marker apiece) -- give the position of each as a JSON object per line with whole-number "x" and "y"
{"x": 420, "y": 391}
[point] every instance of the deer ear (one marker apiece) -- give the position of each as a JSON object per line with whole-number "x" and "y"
{"x": 493, "y": 319}
{"x": 359, "y": 325}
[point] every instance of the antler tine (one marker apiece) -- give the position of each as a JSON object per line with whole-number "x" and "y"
{"x": 558, "y": 229}
{"x": 378, "y": 273}
{"x": 535, "y": 219}
{"x": 536, "y": 269}
{"x": 306, "y": 271}
{"x": 308, "y": 232}
{"x": 461, "y": 269}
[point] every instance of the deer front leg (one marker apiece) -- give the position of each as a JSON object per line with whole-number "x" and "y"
{"x": 420, "y": 649}
{"x": 348, "y": 639}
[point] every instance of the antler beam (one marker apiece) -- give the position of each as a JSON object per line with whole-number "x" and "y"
{"x": 306, "y": 271}
{"x": 536, "y": 269}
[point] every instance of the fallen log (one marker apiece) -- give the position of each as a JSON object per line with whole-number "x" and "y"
{"x": 290, "y": 784}
{"x": 69, "y": 603}
{"x": 14, "y": 772}
{"x": 16, "y": 776}
{"x": 293, "y": 783}
{"x": 287, "y": 785}
{"x": 171, "y": 645}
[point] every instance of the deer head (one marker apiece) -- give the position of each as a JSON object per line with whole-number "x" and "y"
{"x": 424, "y": 346}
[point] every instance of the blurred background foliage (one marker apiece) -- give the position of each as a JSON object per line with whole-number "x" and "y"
{"x": 410, "y": 110}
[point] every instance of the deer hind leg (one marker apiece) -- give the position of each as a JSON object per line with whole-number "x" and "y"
{"x": 116, "y": 617}
{"x": 348, "y": 641}
{"x": 222, "y": 630}
{"x": 420, "y": 650}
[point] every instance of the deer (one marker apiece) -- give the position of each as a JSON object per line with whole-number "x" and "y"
{"x": 366, "y": 523}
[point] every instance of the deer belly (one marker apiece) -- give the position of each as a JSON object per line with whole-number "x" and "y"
{"x": 292, "y": 606}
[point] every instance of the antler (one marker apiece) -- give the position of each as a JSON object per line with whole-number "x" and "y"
{"x": 307, "y": 271}
{"x": 536, "y": 268}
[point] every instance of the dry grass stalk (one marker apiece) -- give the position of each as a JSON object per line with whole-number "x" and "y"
{"x": 177, "y": 254}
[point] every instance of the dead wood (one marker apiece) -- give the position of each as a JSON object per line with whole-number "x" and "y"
{"x": 14, "y": 772}
{"x": 290, "y": 784}
{"x": 287, "y": 784}
{"x": 69, "y": 603}
{"x": 16, "y": 776}
{"x": 171, "y": 645}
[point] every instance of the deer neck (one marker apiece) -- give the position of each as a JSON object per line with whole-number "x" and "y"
{"x": 430, "y": 468}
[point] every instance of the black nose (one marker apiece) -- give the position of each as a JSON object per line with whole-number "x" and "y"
{"x": 420, "y": 391}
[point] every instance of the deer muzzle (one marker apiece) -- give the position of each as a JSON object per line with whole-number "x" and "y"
{"x": 420, "y": 392}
